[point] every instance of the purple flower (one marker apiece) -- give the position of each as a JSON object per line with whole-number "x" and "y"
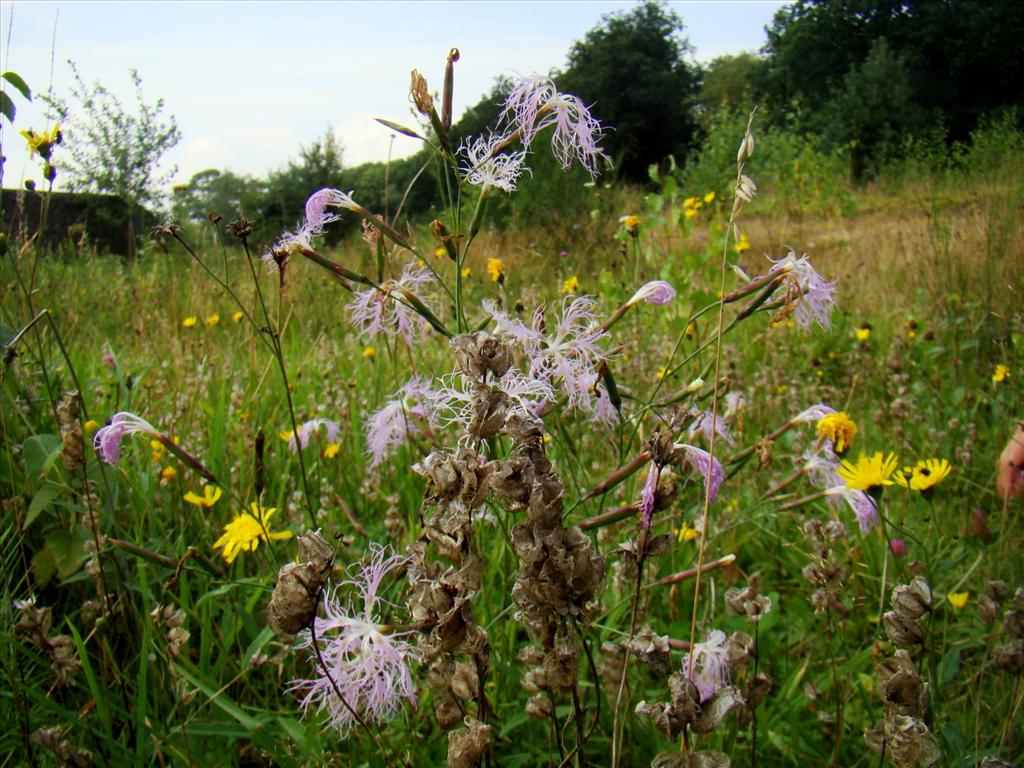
{"x": 898, "y": 547}
{"x": 107, "y": 440}
{"x": 109, "y": 360}
{"x": 368, "y": 664}
{"x": 390, "y": 426}
{"x": 487, "y": 169}
{"x": 815, "y": 413}
{"x": 453, "y": 402}
{"x": 376, "y": 311}
{"x": 534, "y": 104}
{"x": 822, "y": 470}
{"x": 862, "y": 504}
{"x": 655, "y": 292}
{"x": 707, "y": 424}
{"x": 814, "y": 295}
{"x": 648, "y": 495}
{"x": 707, "y": 465}
{"x": 306, "y": 430}
{"x": 710, "y": 668}
{"x": 317, "y": 218}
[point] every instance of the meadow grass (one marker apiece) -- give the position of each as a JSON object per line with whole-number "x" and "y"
{"x": 928, "y": 269}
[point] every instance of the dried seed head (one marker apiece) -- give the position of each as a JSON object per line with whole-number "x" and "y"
{"x": 419, "y": 95}
{"x": 480, "y": 353}
{"x": 447, "y": 712}
{"x": 293, "y": 604}
{"x": 560, "y": 666}
{"x": 467, "y": 745}
{"x": 653, "y": 650}
{"x": 539, "y": 707}
{"x": 912, "y": 601}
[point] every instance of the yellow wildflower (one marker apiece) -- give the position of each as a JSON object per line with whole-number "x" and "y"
{"x": 742, "y": 243}
{"x": 466, "y": 271}
{"x": 630, "y": 223}
{"x": 839, "y": 428}
{"x": 247, "y": 530}
{"x": 286, "y": 436}
{"x": 689, "y": 212}
{"x": 90, "y": 426}
{"x": 440, "y": 252}
{"x": 863, "y": 333}
{"x": 709, "y": 197}
{"x": 190, "y": 321}
{"x": 495, "y": 269}
{"x": 369, "y": 353}
{"x": 662, "y": 373}
{"x": 237, "y": 316}
{"x": 1001, "y": 374}
{"x": 958, "y": 599}
{"x": 208, "y": 499}
{"x": 331, "y": 450}
{"x": 868, "y": 472}
{"x": 158, "y": 450}
{"x": 692, "y": 203}
{"x": 42, "y": 144}
{"x": 924, "y": 475}
{"x": 213, "y": 319}
{"x": 570, "y": 285}
{"x": 685, "y": 533}
{"x": 168, "y": 473}
{"x": 691, "y": 330}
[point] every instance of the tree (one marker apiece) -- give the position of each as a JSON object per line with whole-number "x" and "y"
{"x": 632, "y": 70}
{"x": 220, "y": 192}
{"x": 728, "y": 84}
{"x": 113, "y": 150}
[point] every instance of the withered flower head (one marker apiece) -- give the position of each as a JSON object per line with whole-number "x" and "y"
{"x": 467, "y": 745}
{"x": 293, "y": 604}
{"x": 240, "y": 228}
{"x": 480, "y": 353}
{"x": 419, "y": 95}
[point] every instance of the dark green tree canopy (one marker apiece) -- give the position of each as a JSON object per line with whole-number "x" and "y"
{"x": 632, "y": 71}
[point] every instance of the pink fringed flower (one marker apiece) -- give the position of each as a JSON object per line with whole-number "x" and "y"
{"x": 484, "y": 168}
{"x": 814, "y": 294}
{"x": 376, "y": 311}
{"x": 655, "y": 292}
{"x": 709, "y": 467}
{"x": 707, "y": 424}
{"x": 391, "y": 425}
{"x": 367, "y": 664}
{"x": 862, "y": 504}
{"x": 307, "y": 429}
{"x": 534, "y": 104}
{"x": 107, "y": 440}
{"x": 648, "y": 496}
{"x": 813, "y": 414}
{"x": 710, "y": 668}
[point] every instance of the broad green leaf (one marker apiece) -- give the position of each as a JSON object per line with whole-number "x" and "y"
{"x": 950, "y": 667}
{"x": 40, "y": 453}
{"x": 15, "y": 79}
{"x": 221, "y": 699}
{"x": 7, "y": 107}
{"x": 399, "y": 127}
{"x": 44, "y": 497}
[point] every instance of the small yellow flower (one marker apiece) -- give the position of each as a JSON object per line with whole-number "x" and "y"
{"x": 495, "y": 269}
{"x": 466, "y": 271}
{"x": 213, "y": 319}
{"x": 158, "y": 450}
{"x": 924, "y": 475}
{"x": 331, "y": 450}
{"x": 237, "y": 316}
{"x": 742, "y": 244}
{"x": 691, "y": 330}
{"x": 685, "y": 533}
{"x": 630, "y": 223}
{"x": 190, "y": 321}
{"x": 208, "y": 499}
{"x": 709, "y": 197}
{"x": 286, "y": 436}
{"x": 547, "y": 439}
{"x": 440, "y": 252}
{"x": 863, "y": 333}
{"x": 90, "y": 426}
{"x": 958, "y": 599}
{"x": 247, "y": 530}
{"x": 690, "y": 212}
{"x": 868, "y": 472}
{"x": 42, "y": 143}
{"x": 781, "y": 389}
{"x": 911, "y": 335}
{"x": 662, "y": 373}
{"x": 692, "y": 203}
{"x": 839, "y": 428}
{"x": 369, "y": 353}
{"x": 570, "y": 285}
{"x": 168, "y": 473}
{"x": 1001, "y": 374}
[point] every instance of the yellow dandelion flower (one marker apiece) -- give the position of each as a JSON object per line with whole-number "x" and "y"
{"x": 692, "y": 203}
{"x": 158, "y": 450}
{"x": 924, "y": 475}
{"x": 247, "y": 530}
{"x": 210, "y": 495}
{"x": 691, "y": 330}
{"x": 212, "y": 319}
{"x": 630, "y": 223}
{"x": 190, "y": 321}
{"x": 742, "y": 244}
{"x": 869, "y": 471}
{"x": 570, "y": 285}
{"x": 863, "y": 333}
{"x": 495, "y": 269}
{"x": 1002, "y": 373}
{"x": 690, "y": 212}
{"x": 440, "y": 252}
{"x": 237, "y": 316}
{"x": 331, "y": 450}
{"x": 709, "y": 197}
{"x": 685, "y": 533}
{"x": 819, "y": 373}
{"x": 466, "y": 271}
{"x": 168, "y": 473}
{"x": 839, "y": 428}
{"x": 90, "y": 426}
{"x": 958, "y": 599}
{"x": 42, "y": 143}
{"x": 369, "y": 353}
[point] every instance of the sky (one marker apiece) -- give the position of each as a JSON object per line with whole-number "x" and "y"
{"x": 249, "y": 83}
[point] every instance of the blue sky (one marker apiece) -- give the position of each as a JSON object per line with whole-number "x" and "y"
{"x": 249, "y": 82}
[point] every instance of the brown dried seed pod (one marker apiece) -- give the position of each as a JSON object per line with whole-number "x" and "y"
{"x": 912, "y": 600}
{"x": 467, "y": 745}
{"x": 539, "y": 707}
{"x": 293, "y": 603}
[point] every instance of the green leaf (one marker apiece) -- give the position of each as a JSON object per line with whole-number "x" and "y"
{"x": 40, "y": 453}
{"x": 399, "y": 127}
{"x": 258, "y": 644}
{"x": 221, "y": 699}
{"x": 949, "y": 667}
{"x": 44, "y": 497}
{"x": 7, "y": 107}
{"x": 15, "y": 79}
